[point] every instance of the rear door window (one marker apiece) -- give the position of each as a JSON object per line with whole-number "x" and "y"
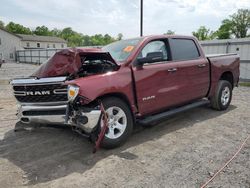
{"x": 183, "y": 49}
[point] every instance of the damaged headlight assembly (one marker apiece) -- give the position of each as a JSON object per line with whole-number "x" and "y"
{"x": 72, "y": 92}
{"x": 81, "y": 117}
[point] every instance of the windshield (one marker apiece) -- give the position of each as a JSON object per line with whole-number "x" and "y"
{"x": 120, "y": 50}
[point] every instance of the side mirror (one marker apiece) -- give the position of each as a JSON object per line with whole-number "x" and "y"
{"x": 150, "y": 58}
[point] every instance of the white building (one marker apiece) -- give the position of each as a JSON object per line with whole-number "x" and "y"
{"x": 239, "y": 46}
{"x": 10, "y": 43}
{"x": 41, "y": 42}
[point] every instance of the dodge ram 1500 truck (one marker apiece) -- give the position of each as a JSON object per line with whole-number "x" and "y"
{"x": 141, "y": 80}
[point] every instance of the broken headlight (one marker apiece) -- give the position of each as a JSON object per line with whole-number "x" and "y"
{"x": 72, "y": 92}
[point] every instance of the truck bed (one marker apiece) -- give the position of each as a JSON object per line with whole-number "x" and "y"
{"x": 222, "y": 64}
{"x": 220, "y": 55}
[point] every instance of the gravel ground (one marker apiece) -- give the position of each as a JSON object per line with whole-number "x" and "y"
{"x": 184, "y": 151}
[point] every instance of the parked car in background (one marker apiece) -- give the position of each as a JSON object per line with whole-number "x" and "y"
{"x": 141, "y": 80}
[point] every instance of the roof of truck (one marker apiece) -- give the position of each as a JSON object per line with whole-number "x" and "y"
{"x": 99, "y": 48}
{"x": 162, "y": 36}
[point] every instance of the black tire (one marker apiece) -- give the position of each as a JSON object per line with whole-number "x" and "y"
{"x": 217, "y": 101}
{"x": 114, "y": 102}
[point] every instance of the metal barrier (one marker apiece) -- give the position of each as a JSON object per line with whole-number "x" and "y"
{"x": 239, "y": 46}
{"x": 39, "y": 56}
{"x": 34, "y": 56}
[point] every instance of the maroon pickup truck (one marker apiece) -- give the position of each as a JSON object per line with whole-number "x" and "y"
{"x": 142, "y": 80}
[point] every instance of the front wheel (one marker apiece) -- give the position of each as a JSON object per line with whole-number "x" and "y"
{"x": 120, "y": 122}
{"x": 223, "y": 95}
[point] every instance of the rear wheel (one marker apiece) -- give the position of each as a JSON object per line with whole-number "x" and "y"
{"x": 120, "y": 122}
{"x": 223, "y": 95}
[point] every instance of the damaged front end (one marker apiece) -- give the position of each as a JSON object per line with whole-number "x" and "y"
{"x": 47, "y": 97}
{"x": 81, "y": 116}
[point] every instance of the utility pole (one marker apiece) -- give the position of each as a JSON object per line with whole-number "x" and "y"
{"x": 141, "y": 24}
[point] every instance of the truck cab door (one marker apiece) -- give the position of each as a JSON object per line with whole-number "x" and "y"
{"x": 159, "y": 84}
{"x": 180, "y": 77}
{"x": 186, "y": 53}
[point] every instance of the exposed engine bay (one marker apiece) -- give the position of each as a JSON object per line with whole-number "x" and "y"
{"x": 92, "y": 64}
{"x": 76, "y": 63}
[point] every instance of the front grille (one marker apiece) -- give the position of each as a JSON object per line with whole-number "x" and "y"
{"x": 40, "y": 93}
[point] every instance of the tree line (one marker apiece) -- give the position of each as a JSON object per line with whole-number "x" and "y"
{"x": 236, "y": 26}
{"x": 72, "y": 37}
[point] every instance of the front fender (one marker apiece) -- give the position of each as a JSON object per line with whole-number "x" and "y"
{"x": 92, "y": 87}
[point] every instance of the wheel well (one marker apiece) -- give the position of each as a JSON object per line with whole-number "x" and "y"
{"x": 228, "y": 76}
{"x": 120, "y": 96}
{"x": 117, "y": 95}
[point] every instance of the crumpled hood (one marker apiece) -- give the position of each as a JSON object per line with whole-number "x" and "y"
{"x": 65, "y": 62}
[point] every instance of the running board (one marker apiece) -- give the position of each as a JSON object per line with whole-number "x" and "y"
{"x": 164, "y": 115}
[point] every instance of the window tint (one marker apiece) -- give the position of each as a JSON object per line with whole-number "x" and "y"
{"x": 155, "y": 46}
{"x": 183, "y": 49}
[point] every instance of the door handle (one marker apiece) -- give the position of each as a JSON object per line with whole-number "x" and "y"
{"x": 172, "y": 70}
{"x": 201, "y": 65}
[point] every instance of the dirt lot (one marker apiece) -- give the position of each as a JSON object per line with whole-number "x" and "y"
{"x": 184, "y": 151}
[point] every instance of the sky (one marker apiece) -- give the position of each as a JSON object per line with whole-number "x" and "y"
{"x": 120, "y": 16}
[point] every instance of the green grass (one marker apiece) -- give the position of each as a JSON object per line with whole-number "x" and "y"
{"x": 246, "y": 84}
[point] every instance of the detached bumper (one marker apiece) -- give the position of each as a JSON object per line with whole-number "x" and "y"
{"x": 42, "y": 114}
{"x": 86, "y": 121}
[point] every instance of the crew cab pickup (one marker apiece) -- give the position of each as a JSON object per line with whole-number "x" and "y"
{"x": 141, "y": 80}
